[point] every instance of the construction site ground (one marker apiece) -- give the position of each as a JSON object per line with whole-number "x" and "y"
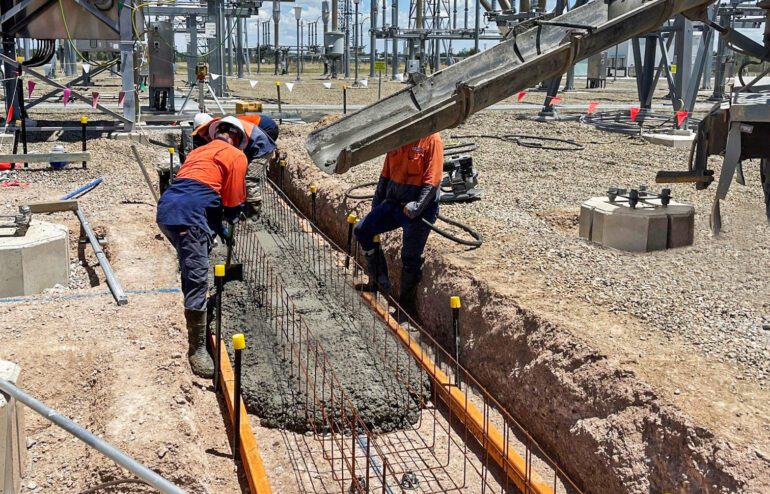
{"x": 692, "y": 323}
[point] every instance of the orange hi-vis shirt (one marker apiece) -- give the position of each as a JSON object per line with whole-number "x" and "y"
{"x": 220, "y": 166}
{"x": 412, "y": 166}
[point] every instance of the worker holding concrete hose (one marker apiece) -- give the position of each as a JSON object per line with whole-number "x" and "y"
{"x": 209, "y": 188}
{"x": 261, "y": 129}
{"x": 407, "y": 193}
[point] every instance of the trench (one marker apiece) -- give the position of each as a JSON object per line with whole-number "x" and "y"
{"x": 326, "y": 362}
{"x": 285, "y": 382}
{"x": 606, "y": 427}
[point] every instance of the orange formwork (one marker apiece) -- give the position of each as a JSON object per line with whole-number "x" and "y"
{"x": 250, "y": 457}
{"x": 489, "y": 436}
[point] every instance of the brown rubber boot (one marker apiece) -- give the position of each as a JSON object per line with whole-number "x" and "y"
{"x": 200, "y": 360}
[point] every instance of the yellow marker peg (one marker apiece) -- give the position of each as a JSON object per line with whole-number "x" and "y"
{"x": 352, "y": 218}
{"x": 239, "y": 341}
{"x": 219, "y": 270}
{"x": 376, "y": 239}
{"x": 18, "y": 122}
{"x": 171, "y": 150}
{"x": 313, "y": 189}
{"x": 278, "y": 83}
{"x": 454, "y": 302}
{"x": 19, "y": 59}
{"x": 84, "y": 120}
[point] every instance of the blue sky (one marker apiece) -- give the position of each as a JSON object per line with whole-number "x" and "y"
{"x": 311, "y": 11}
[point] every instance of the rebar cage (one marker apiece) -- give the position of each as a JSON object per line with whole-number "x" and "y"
{"x": 462, "y": 440}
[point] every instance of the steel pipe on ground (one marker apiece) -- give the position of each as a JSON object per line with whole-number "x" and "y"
{"x": 90, "y": 439}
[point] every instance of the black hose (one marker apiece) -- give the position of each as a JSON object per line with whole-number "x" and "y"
{"x": 740, "y": 74}
{"x": 477, "y": 238}
{"x": 361, "y": 197}
{"x": 547, "y": 143}
{"x": 460, "y": 148}
{"x": 620, "y": 122}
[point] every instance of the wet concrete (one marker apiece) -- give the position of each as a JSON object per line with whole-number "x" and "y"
{"x": 381, "y": 381}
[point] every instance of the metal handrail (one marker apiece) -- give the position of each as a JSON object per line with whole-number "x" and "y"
{"x": 91, "y": 440}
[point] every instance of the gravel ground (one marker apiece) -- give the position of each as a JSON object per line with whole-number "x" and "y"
{"x": 714, "y": 294}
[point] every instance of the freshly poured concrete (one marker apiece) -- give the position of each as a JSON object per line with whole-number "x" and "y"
{"x": 36, "y": 261}
{"x": 645, "y": 228}
{"x": 12, "y": 442}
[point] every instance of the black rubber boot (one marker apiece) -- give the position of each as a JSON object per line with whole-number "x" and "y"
{"x": 199, "y": 358}
{"x": 407, "y": 297}
{"x": 377, "y": 270}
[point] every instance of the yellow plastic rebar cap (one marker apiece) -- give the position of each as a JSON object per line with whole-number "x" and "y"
{"x": 19, "y": 58}
{"x": 84, "y": 120}
{"x": 219, "y": 270}
{"x": 454, "y": 302}
{"x": 313, "y": 189}
{"x": 18, "y": 122}
{"x": 278, "y": 83}
{"x": 352, "y": 218}
{"x": 171, "y": 150}
{"x": 239, "y": 341}
{"x": 376, "y": 239}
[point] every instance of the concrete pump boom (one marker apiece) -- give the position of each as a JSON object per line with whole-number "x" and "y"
{"x": 535, "y": 50}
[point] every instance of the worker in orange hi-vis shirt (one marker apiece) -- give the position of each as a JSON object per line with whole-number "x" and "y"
{"x": 209, "y": 189}
{"x": 407, "y": 193}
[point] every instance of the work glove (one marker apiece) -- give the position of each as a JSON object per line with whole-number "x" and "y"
{"x": 229, "y": 230}
{"x": 428, "y": 194}
{"x": 224, "y": 231}
{"x": 233, "y": 214}
{"x": 411, "y": 209}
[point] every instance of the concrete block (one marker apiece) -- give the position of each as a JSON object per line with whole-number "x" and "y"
{"x": 13, "y": 445}
{"x": 586, "y": 214}
{"x": 678, "y": 141}
{"x": 646, "y": 228}
{"x": 130, "y": 136}
{"x": 36, "y": 261}
{"x": 681, "y": 228}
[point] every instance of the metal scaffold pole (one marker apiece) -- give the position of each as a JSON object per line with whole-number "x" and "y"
{"x": 127, "y": 65}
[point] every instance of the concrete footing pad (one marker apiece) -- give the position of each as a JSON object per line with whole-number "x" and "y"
{"x": 36, "y": 261}
{"x": 13, "y": 445}
{"x": 646, "y": 228}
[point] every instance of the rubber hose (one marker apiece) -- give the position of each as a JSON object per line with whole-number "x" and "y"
{"x": 529, "y": 141}
{"x": 477, "y": 238}
{"x": 740, "y": 73}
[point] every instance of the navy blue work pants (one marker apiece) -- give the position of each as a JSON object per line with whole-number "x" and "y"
{"x": 192, "y": 245}
{"x": 387, "y": 217}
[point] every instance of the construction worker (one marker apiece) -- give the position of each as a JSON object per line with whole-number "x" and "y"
{"x": 209, "y": 188}
{"x": 407, "y": 193}
{"x": 261, "y": 129}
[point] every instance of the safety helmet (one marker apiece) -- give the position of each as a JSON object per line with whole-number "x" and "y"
{"x": 234, "y": 122}
{"x": 201, "y": 119}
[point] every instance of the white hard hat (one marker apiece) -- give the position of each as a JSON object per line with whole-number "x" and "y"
{"x": 201, "y": 118}
{"x": 235, "y": 123}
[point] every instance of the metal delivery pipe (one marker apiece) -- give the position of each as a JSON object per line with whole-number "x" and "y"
{"x": 95, "y": 442}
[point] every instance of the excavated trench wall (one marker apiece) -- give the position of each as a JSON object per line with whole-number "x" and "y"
{"x": 608, "y": 429}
